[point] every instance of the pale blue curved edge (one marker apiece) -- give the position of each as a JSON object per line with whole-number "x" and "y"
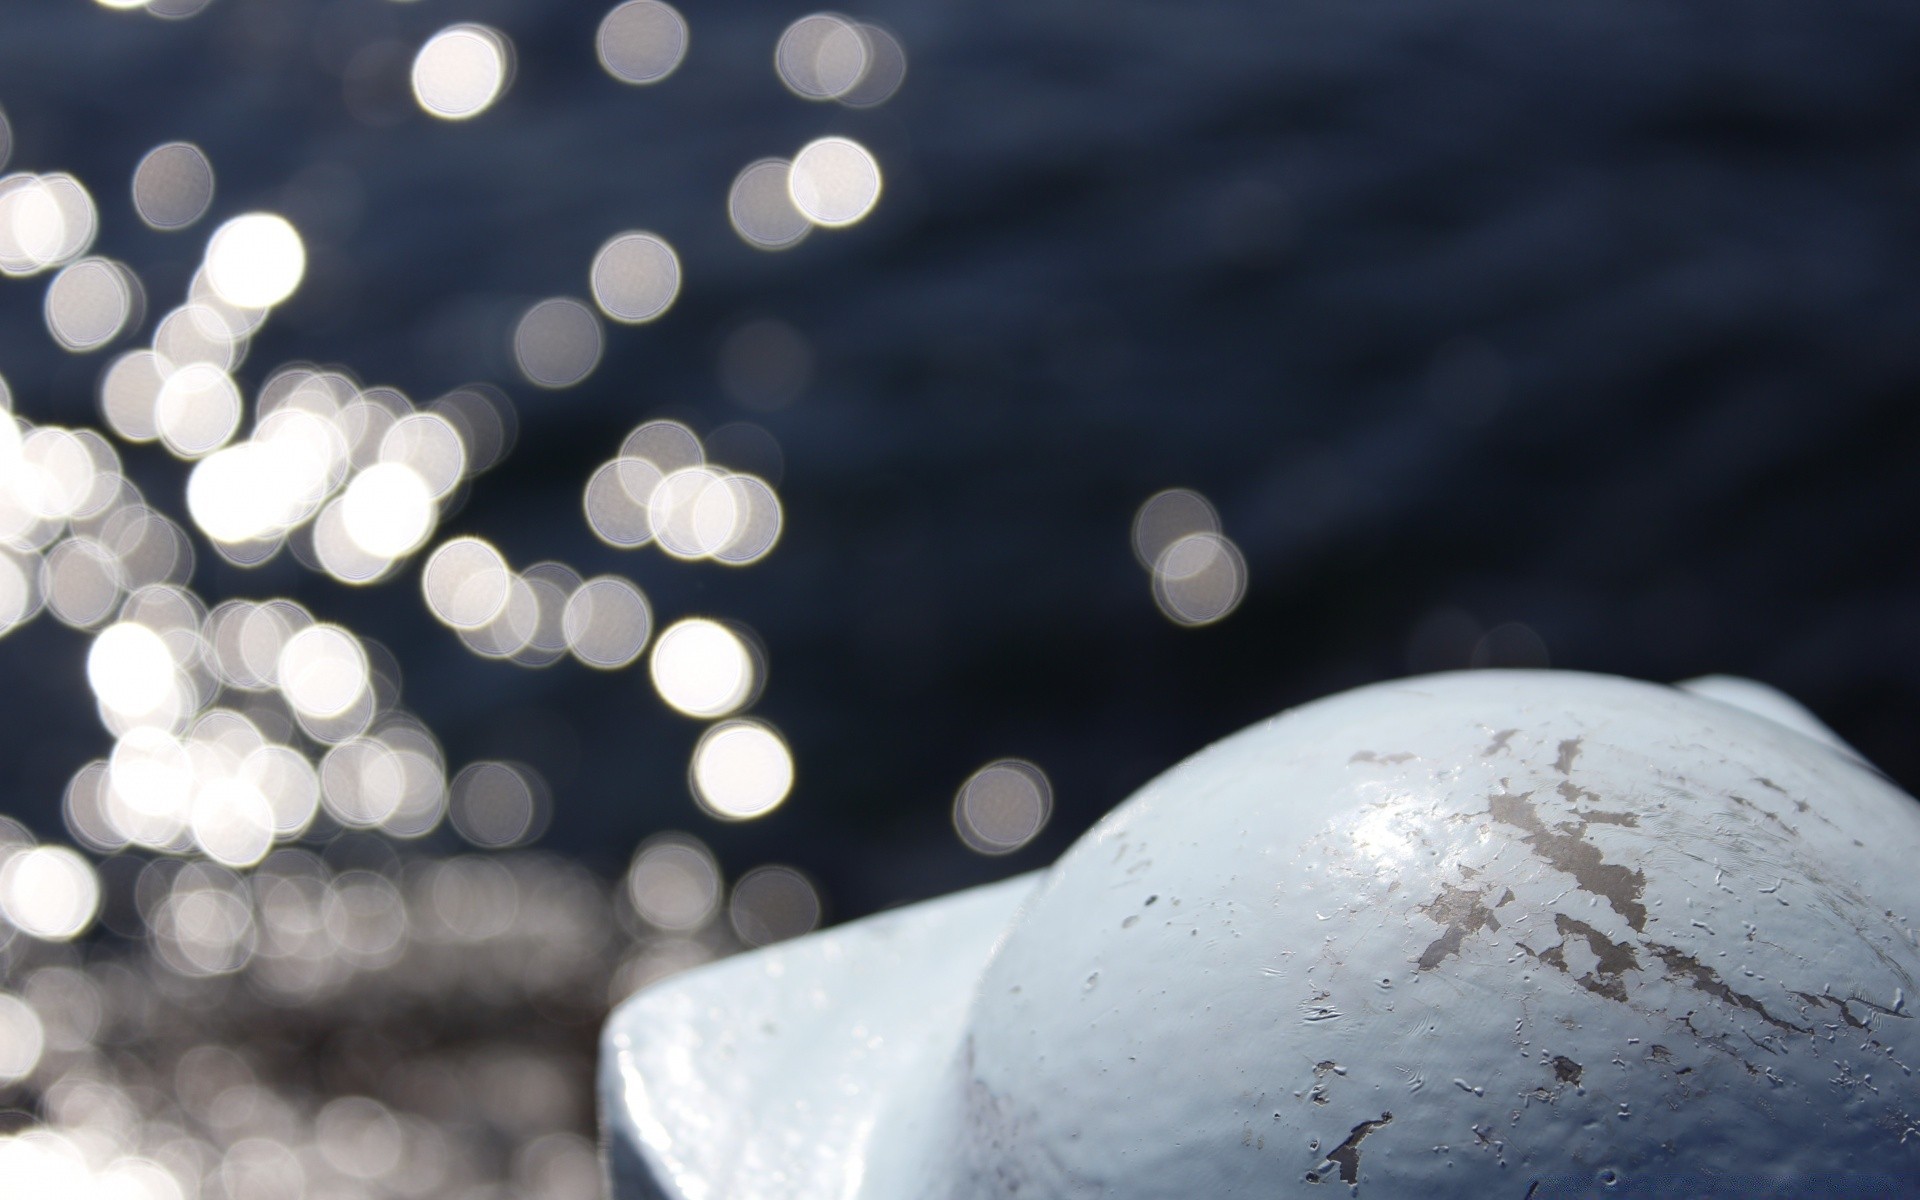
{"x": 733, "y": 1080}
{"x": 1755, "y": 697}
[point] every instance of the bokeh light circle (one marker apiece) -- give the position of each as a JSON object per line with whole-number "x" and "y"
{"x": 557, "y": 342}
{"x": 741, "y": 770}
{"x": 641, "y": 41}
{"x": 761, "y": 206}
{"x": 173, "y": 186}
{"x": 702, "y": 668}
{"x": 1199, "y": 579}
{"x": 461, "y": 71}
{"x": 606, "y": 622}
{"x": 834, "y": 181}
{"x": 49, "y": 892}
{"x": 674, "y": 883}
{"x": 466, "y": 583}
{"x": 89, "y": 303}
{"x": 635, "y": 277}
{"x": 22, "y": 1040}
{"x": 773, "y": 903}
{"x": 1002, "y": 806}
{"x": 255, "y": 260}
{"x": 388, "y": 510}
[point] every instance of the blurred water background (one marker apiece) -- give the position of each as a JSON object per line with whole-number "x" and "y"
{"x": 508, "y": 500}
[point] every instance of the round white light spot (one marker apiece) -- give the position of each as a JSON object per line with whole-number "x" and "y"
{"x": 49, "y": 892}
{"x": 641, "y": 41}
{"x": 702, "y": 668}
{"x": 835, "y": 182}
{"x": 466, "y": 583}
{"x": 255, "y": 260}
{"x": 635, "y": 277}
{"x": 88, "y": 304}
{"x": 741, "y": 770}
{"x": 461, "y": 71}
{"x": 323, "y": 671}
{"x": 388, "y": 510}
{"x": 198, "y": 410}
{"x": 22, "y": 1039}
{"x": 130, "y": 669}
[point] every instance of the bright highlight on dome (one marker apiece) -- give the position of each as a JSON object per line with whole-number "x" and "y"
{"x": 255, "y": 260}
{"x": 741, "y": 770}
{"x": 461, "y": 71}
{"x": 834, "y": 181}
{"x": 641, "y": 41}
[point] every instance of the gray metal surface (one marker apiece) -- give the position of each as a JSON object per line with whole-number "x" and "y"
{"x": 1495, "y": 934}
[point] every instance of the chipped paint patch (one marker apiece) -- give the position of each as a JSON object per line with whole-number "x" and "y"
{"x": 1345, "y": 1157}
{"x": 1568, "y": 850}
{"x": 1463, "y": 913}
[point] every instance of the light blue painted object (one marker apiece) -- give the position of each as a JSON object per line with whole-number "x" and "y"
{"x": 1499, "y": 934}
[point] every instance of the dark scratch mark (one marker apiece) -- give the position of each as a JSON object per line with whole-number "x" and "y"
{"x": 1595, "y": 816}
{"x": 1702, "y": 978}
{"x": 1572, "y": 853}
{"x": 1846, "y": 1008}
{"x": 1499, "y": 743}
{"x": 1462, "y": 912}
{"x": 1566, "y": 1070}
{"x": 1569, "y": 750}
{"x": 1531, "y": 1189}
{"x": 1743, "y": 802}
{"x": 1346, "y": 1155}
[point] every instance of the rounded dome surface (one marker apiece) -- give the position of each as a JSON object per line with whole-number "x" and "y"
{"x": 1531, "y": 934}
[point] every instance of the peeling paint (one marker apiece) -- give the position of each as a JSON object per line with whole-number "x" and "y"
{"x": 1346, "y": 1156}
{"x": 1620, "y": 887}
{"x": 1569, "y": 750}
{"x": 1462, "y": 912}
{"x": 1702, "y": 978}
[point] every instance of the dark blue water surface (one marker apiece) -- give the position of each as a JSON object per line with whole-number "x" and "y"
{"x": 1499, "y": 333}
